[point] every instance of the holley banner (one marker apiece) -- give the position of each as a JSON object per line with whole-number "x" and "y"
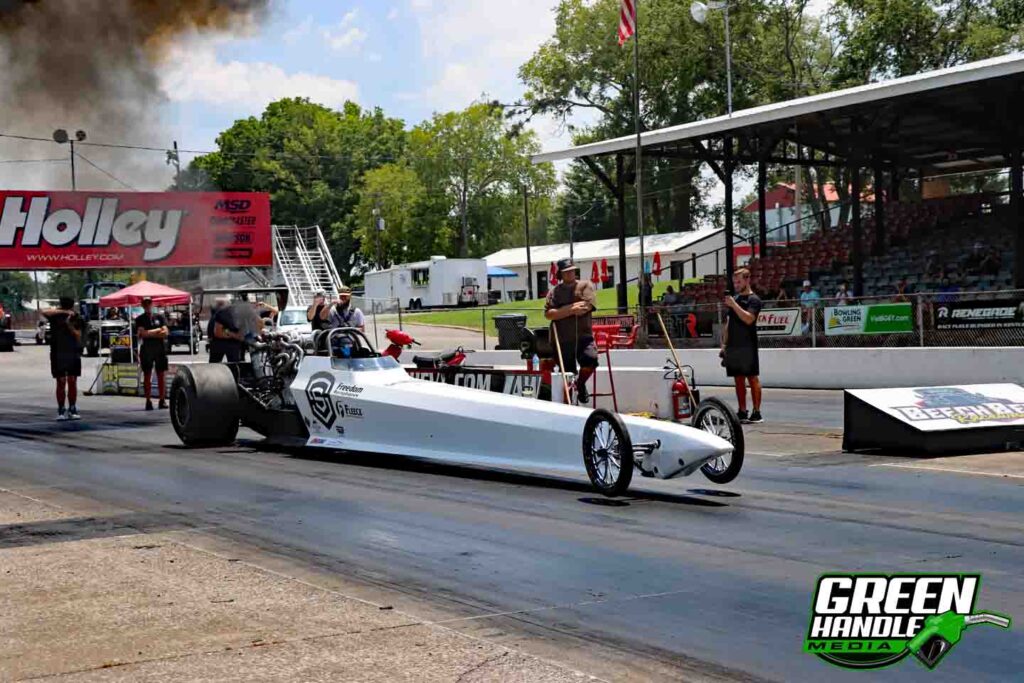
{"x": 67, "y": 230}
{"x": 870, "y": 319}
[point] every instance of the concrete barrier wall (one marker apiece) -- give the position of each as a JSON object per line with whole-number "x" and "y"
{"x": 833, "y": 368}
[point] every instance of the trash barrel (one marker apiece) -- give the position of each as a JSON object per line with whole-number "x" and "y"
{"x": 509, "y": 326}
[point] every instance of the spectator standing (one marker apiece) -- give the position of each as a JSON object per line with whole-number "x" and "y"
{"x": 342, "y": 313}
{"x": 226, "y": 340}
{"x": 646, "y": 291}
{"x": 313, "y": 313}
{"x": 843, "y": 296}
{"x": 810, "y": 299}
{"x": 902, "y": 291}
{"x": 151, "y": 329}
{"x": 65, "y": 355}
{"x": 569, "y": 306}
{"x": 740, "y": 347}
{"x": 782, "y": 296}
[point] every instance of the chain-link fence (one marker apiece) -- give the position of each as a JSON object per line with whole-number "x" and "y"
{"x": 950, "y": 318}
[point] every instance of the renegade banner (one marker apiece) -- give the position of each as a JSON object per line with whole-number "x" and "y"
{"x": 67, "y": 230}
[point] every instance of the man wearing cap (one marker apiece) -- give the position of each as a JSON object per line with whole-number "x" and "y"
{"x": 809, "y": 300}
{"x": 569, "y": 306}
{"x": 151, "y": 329}
{"x": 342, "y": 313}
{"x": 315, "y": 309}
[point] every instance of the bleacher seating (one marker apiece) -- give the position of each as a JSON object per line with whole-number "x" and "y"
{"x": 913, "y": 231}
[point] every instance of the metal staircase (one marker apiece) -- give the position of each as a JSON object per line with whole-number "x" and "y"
{"x": 304, "y": 263}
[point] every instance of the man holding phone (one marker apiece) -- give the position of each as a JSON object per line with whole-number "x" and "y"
{"x": 739, "y": 345}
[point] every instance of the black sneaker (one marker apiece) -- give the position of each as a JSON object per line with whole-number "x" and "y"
{"x": 743, "y": 416}
{"x": 162, "y": 405}
{"x": 582, "y": 395}
{"x": 149, "y": 404}
{"x": 755, "y": 417}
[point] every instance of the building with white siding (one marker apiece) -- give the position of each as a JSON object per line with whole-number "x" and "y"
{"x": 683, "y": 254}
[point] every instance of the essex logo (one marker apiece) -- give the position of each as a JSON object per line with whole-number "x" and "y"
{"x": 318, "y": 393}
{"x": 869, "y": 621}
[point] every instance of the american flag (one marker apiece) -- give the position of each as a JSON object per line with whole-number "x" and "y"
{"x": 627, "y": 21}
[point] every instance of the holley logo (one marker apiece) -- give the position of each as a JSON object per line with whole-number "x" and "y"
{"x": 869, "y": 621}
{"x": 98, "y": 225}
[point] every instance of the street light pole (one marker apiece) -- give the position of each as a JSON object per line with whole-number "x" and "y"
{"x": 60, "y": 136}
{"x": 699, "y": 12}
{"x": 73, "y": 185}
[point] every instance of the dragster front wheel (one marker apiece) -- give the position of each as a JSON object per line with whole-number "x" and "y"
{"x": 714, "y": 416}
{"x": 607, "y": 452}
{"x": 205, "y": 405}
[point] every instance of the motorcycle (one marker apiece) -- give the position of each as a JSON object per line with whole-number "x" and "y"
{"x": 403, "y": 340}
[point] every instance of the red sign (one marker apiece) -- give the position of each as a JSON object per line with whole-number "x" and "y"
{"x": 657, "y": 263}
{"x": 594, "y": 277}
{"x": 66, "y": 230}
{"x": 553, "y": 275}
{"x": 604, "y": 270}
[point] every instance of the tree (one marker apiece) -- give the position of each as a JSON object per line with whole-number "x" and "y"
{"x": 15, "y": 288}
{"x": 478, "y": 165}
{"x": 309, "y": 158}
{"x": 412, "y": 229}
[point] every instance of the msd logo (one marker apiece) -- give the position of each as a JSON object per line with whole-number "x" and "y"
{"x": 232, "y": 205}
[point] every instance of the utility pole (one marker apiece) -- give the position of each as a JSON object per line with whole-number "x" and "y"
{"x": 173, "y": 158}
{"x": 378, "y": 228}
{"x": 526, "y": 223}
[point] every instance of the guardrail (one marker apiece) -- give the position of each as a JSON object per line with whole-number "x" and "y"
{"x": 926, "y": 319}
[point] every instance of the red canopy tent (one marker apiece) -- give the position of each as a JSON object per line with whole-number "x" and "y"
{"x": 162, "y": 295}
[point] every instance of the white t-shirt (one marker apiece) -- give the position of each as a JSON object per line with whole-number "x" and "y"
{"x": 352, "y": 317}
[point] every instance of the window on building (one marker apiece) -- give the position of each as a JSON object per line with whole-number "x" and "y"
{"x": 610, "y": 284}
{"x": 420, "y": 277}
{"x": 542, "y": 284}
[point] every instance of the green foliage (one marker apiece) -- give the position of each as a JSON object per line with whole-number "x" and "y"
{"x": 309, "y": 158}
{"x": 479, "y": 166}
{"x": 15, "y": 288}
{"x": 72, "y": 282}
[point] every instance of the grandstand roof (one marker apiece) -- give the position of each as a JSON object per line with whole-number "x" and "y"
{"x": 951, "y": 119}
{"x": 669, "y": 242}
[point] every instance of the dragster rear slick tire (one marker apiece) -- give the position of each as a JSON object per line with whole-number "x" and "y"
{"x": 715, "y": 416}
{"x": 205, "y": 407}
{"x": 607, "y": 453}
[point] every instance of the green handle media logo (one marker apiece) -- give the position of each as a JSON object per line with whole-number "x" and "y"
{"x": 869, "y": 621}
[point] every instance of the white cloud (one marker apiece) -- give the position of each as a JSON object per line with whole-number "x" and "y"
{"x": 195, "y": 74}
{"x": 345, "y": 35}
{"x": 299, "y": 32}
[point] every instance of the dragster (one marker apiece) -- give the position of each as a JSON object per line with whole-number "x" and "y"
{"x": 335, "y": 391}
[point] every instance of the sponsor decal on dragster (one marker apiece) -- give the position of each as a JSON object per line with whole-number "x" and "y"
{"x": 348, "y": 390}
{"x": 869, "y": 621}
{"x": 487, "y": 380}
{"x": 965, "y": 407}
{"x": 318, "y": 393}
{"x": 55, "y": 230}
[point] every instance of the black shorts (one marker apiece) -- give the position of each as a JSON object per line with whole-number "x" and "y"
{"x": 742, "y": 361}
{"x": 584, "y": 354}
{"x": 148, "y": 360}
{"x": 65, "y": 364}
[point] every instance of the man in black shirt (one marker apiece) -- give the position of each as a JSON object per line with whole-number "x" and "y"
{"x": 226, "y": 341}
{"x": 65, "y": 355}
{"x": 739, "y": 345}
{"x": 151, "y": 329}
{"x": 314, "y": 314}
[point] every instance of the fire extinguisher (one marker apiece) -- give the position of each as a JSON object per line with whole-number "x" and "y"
{"x": 682, "y": 407}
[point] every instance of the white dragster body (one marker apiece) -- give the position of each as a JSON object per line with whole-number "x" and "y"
{"x": 373, "y": 405}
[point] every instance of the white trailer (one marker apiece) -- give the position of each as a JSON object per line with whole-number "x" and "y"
{"x": 437, "y": 283}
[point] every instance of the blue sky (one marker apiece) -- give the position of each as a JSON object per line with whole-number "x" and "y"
{"x": 410, "y": 57}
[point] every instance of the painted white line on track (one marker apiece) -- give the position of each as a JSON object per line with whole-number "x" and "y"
{"x": 948, "y": 469}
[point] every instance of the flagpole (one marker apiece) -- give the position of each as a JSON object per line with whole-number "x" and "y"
{"x": 636, "y": 123}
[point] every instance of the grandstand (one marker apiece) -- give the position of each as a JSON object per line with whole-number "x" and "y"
{"x": 956, "y": 120}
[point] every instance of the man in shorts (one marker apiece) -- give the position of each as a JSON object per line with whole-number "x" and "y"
{"x": 65, "y": 355}
{"x": 569, "y": 306}
{"x": 739, "y": 345}
{"x": 151, "y": 329}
